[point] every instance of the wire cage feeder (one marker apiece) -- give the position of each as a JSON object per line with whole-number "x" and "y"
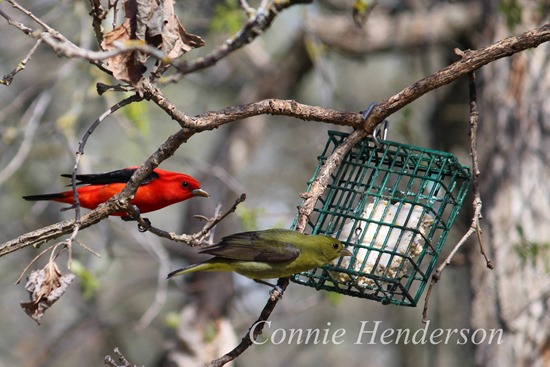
{"x": 393, "y": 206}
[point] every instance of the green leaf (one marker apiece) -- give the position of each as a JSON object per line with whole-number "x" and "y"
{"x": 512, "y": 11}
{"x": 136, "y": 113}
{"x": 361, "y": 11}
{"x": 333, "y": 297}
{"x": 228, "y": 17}
{"x": 529, "y": 252}
{"x": 172, "y": 320}
{"x": 88, "y": 281}
{"x": 249, "y": 217}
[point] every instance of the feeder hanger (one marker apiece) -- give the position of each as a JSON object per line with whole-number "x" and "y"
{"x": 382, "y": 127}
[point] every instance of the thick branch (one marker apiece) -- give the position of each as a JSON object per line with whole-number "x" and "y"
{"x": 51, "y": 232}
{"x": 476, "y": 59}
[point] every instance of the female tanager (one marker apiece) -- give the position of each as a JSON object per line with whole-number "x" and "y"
{"x": 272, "y": 253}
{"x": 159, "y": 189}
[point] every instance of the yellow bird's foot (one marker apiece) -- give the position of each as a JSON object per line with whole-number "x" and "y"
{"x": 276, "y": 293}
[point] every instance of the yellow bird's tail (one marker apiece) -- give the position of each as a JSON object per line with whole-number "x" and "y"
{"x": 209, "y": 265}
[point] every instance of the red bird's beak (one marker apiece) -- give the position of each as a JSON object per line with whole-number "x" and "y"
{"x": 200, "y": 192}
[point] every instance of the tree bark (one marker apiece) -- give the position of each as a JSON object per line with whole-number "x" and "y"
{"x": 514, "y": 143}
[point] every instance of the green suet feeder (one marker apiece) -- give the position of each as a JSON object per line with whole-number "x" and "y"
{"x": 393, "y": 205}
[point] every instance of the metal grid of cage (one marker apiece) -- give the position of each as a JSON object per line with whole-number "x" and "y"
{"x": 393, "y": 205}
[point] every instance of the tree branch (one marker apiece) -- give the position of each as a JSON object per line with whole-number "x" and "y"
{"x": 8, "y": 78}
{"x": 475, "y": 226}
{"x": 476, "y": 59}
{"x": 214, "y": 119}
{"x": 378, "y": 113}
{"x": 195, "y": 239}
{"x": 256, "y": 25}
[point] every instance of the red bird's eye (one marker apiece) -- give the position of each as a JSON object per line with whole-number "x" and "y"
{"x": 185, "y": 184}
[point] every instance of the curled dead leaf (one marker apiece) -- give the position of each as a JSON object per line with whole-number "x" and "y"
{"x": 154, "y": 23}
{"x": 45, "y": 287}
{"x": 124, "y": 66}
{"x": 175, "y": 40}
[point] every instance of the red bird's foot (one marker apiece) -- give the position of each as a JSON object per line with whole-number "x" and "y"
{"x": 131, "y": 216}
{"x": 144, "y": 228}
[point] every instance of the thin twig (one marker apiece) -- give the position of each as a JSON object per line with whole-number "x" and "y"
{"x": 68, "y": 49}
{"x": 255, "y": 26}
{"x": 68, "y": 245}
{"x": 154, "y": 247}
{"x": 98, "y": 16}
{"x": 102, "y": 88}
{"x": 195, "y": 239}
{"x": 8, "y": 78}
{"x": 34, "y": 259}
{"x": 249, "y": 10}
{"x": 111, "y": 362}
{"x": 82, "y": 144}
{"x": 23, "y": 28}
{"x": 81, "y": 244}
{"x": 258, "y": 326}
{"x": 113, "y": 4}
{"x": 475, "y": 167}
{"x": 36, "y": 112}
{"x": 477, "y": 203}
{"x": 32, "y": 16}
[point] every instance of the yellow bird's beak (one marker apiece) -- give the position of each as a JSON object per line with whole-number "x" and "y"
{"x": 200, "y": 192}
{"x": 345, "y": 252}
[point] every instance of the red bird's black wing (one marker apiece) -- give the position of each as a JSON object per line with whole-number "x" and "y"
{"x": 118, "y": 176}
{"x": 251, "y": 246}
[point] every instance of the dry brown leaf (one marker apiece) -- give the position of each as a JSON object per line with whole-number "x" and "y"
{"x": 175, "y": 40}
{"x": 45, "y": 287}
{"x": 124, "y": 66}
{"x": 155, "y": 25}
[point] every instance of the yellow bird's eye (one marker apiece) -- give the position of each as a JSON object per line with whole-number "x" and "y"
{"x": 335, "y": 246}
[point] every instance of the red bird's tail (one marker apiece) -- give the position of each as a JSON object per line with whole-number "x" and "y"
{"x": 62, "y": 197}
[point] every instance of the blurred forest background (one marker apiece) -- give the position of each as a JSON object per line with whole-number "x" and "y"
{"x": 316, "y": 55}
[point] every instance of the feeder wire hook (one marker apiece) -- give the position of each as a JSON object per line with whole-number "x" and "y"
{"x": 382, "y": 127}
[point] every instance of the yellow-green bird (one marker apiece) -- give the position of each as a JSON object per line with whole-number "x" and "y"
{"x": 271, "y": 253}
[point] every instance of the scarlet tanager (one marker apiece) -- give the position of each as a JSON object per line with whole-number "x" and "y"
{"x": 159, "y": 189}
{"x": 272, "y": 253}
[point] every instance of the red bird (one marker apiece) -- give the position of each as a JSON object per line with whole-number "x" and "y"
{"x": 159, "y": 189}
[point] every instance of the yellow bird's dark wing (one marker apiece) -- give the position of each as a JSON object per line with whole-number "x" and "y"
{"x": 253, "y": 246}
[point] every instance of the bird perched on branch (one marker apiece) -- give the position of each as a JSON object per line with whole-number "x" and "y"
{"x": 159, "y": 189}
{"x": 272, "y": 253}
